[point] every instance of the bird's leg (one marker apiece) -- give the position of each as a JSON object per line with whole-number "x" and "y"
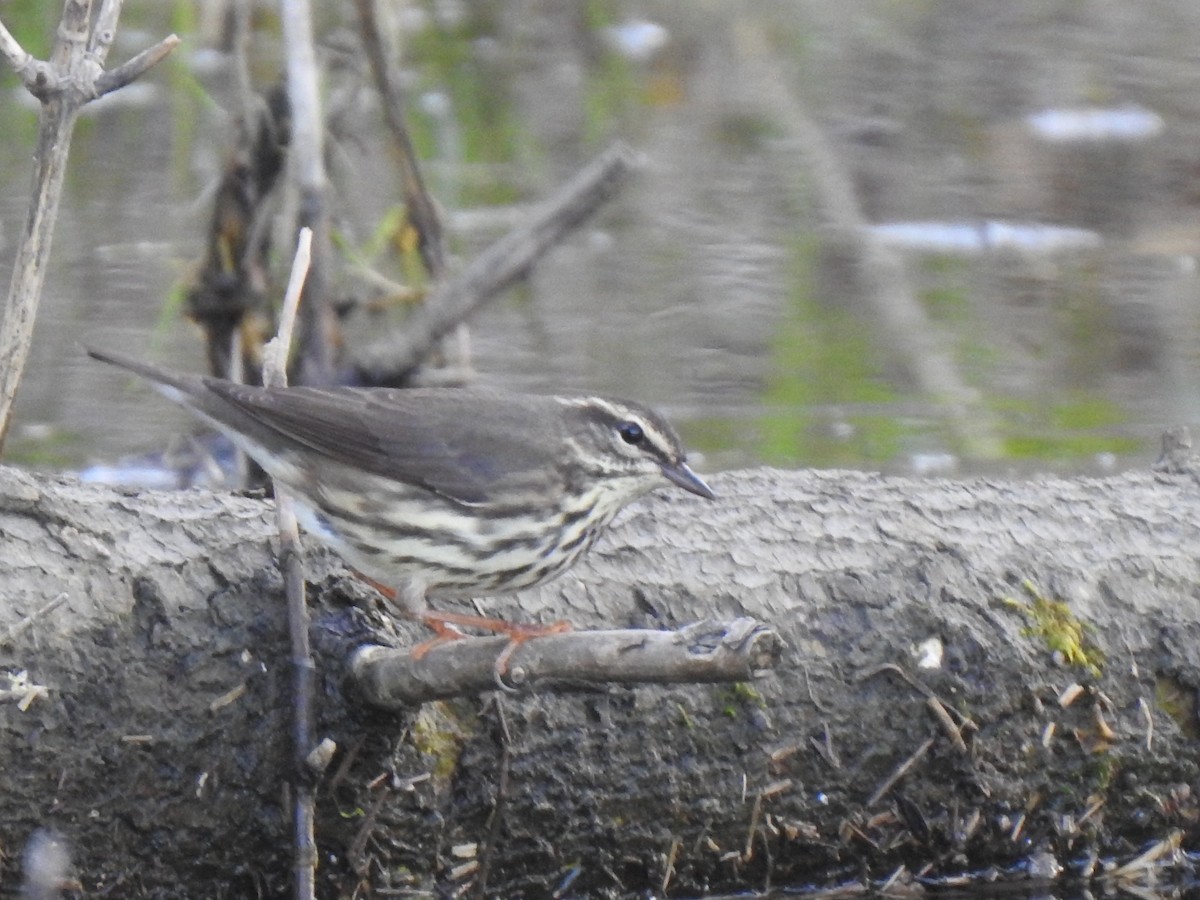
{"x": 408, "y": 599}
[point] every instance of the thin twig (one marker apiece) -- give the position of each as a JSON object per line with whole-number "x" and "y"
{"x": 1148, "y": 716}
{"x": 496, "y": 819}
{"x": 883, "y": 276}
{"x": 943, "y": 717}
{"x": 131, "y": 69}
{"x": 275, "y": 355}
{"x": 1141, "y": 864}
{"x": 900, "y": 771}
{"x": 918, "y": 686}
{"x": 755, "y": 814}
{"x": 419, "y": 205}
{"x": 356, "y": 853}
{"x": 824, "y": 747}
{"x": 17, "y": 627}
{"x": 669, "y": 868}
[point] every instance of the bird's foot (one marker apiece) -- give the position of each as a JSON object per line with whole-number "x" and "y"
{"x": 445, "y": 634}
{"x": 518, "y": 635}
{"x": 448, "y": 625}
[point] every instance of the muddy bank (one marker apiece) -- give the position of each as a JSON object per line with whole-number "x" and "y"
{"x": 977, "y": 672}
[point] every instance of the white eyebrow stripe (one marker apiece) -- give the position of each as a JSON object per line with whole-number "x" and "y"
{"x": 662, "y": 444}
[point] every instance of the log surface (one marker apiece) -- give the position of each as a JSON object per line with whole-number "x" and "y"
{"x": 155, "y": 740}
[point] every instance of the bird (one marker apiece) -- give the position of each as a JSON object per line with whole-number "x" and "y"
{"x": 443, "y": 492}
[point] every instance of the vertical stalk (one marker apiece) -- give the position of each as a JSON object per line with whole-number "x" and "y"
{"x": 33, "y": 251}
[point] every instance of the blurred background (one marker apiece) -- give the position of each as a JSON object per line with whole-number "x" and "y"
{"x": 936, "y": 236}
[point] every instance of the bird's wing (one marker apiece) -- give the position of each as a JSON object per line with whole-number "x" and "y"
{"x": 450, "y": 441}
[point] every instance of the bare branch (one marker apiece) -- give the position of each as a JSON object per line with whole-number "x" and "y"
{"x": 71, "y": 78}
{"x": 318, "y": 340}
{"x": 104, "y": 30}
{"x": 134, "y": 68}
{"x": 496, "y": 268}
{"x": 70, "y": 40}
{"x": 708, "y": 651}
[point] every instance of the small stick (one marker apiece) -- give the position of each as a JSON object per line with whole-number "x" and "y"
{"x": 17, "y": 627}
{"x": 1144, "y": 709}
{"x": 825, "y": 749}
{"x": 669, "y": 869}
{"x": 356, "y": 853}
{"x": 943, "y": 716}
{"x": 708, "y": 651}
{"x": 1139, "y": 865}
{"x": 900, "y": 772}
{"x": 275, "y": 355}
{"x": 755, "y": 814}
{"x": 496, "y": 819}
{"x": 420, "y": 208}
{"x": 117, "y": 78}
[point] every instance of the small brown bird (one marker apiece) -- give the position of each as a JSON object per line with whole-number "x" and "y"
{"x": 443, "y": 492}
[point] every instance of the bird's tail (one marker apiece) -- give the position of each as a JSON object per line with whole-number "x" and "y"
{"x": 176, "y": 386}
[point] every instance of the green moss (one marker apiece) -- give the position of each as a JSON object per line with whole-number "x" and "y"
{"x": 947, "y": 296}
{"x": 748, "y": 693}
{"x": 947, "y": 304}
{"x": 685, "y": 718}
{"x": 1179, "y": 703}
{"x": 738, "y": 696}
{"x": 1083, "y": 411}
{"x": 440, "y": 734}
{"x": 1049, "y": 446}
{"x": 1101, "y": 771}
{"x": 1052, "y": 622}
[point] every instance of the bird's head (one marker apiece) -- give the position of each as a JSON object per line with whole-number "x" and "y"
{"x": 629, "y": 449}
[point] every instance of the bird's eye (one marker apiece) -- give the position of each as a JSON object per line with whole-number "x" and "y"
{"x": 631, "y": 432}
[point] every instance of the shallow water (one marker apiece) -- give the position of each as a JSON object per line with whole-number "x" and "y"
{"x": 919, "y": 237}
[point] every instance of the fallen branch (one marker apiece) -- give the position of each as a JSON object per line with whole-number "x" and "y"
{"x": 703, "y": 652}
{"x": 389, "y": 360}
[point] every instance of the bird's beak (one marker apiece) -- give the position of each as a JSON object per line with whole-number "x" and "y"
{"x": 679, "y": 473}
